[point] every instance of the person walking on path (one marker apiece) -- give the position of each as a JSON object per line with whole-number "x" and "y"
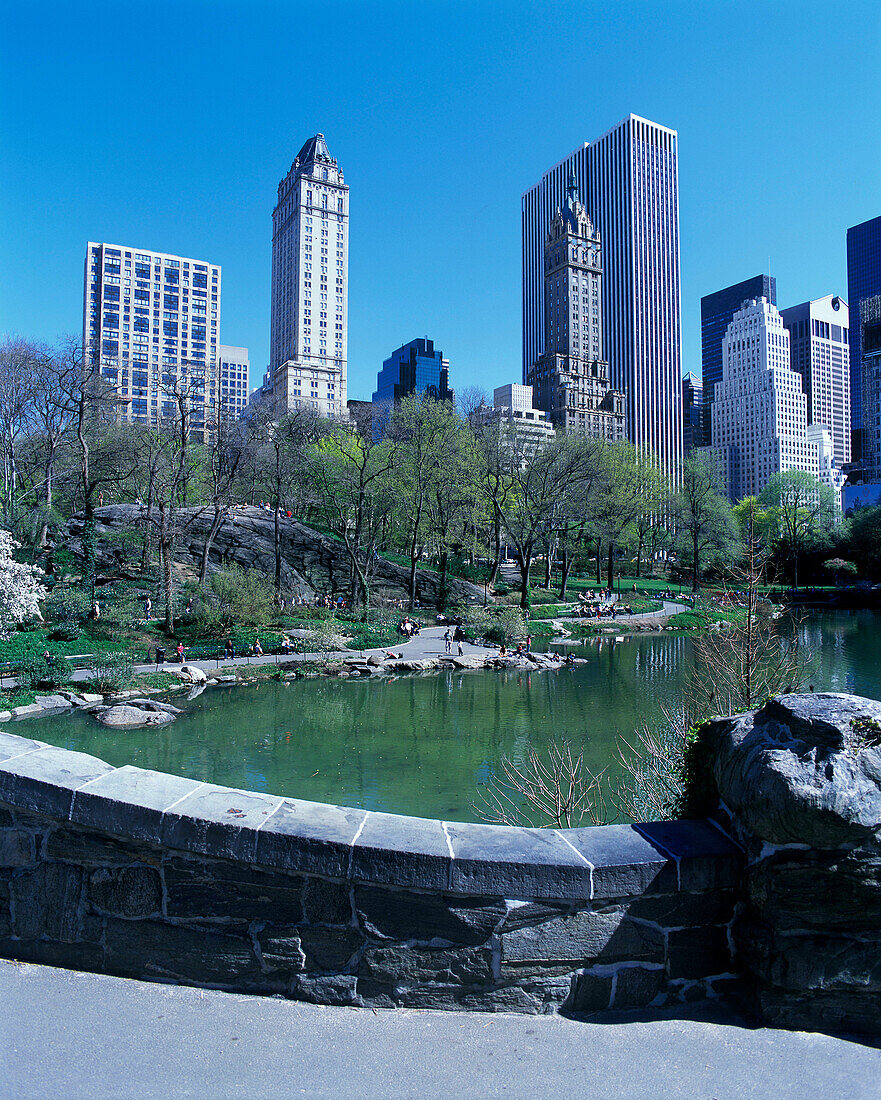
{"x": 459, "y": 638}
{"x": 448, "y": 641}
{"x": 148, "y": 607}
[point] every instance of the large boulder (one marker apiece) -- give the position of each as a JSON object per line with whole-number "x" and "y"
{"x": 191, "y": 674}
{"x": 800, "y": 787}
{"x": 311, "y": 563}
{"x": 124, "y": 716}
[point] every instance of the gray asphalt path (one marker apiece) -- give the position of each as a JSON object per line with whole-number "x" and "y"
{"x": 70, "y": 1035}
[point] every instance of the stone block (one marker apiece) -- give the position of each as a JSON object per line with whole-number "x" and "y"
{"x": 44, "y": 781}
{"x": 402, "y": 851}
{"x": 80, "y": 846}
{"x": 637, "y": 986}
{"x": 29, "y": 710}
{"x": 196, "y": 954}
{"x": 395, "y": 966}
{"x": 707, "y": 859}
{"x": 281, "y": 950}
{"x": 699, "y": 952}
{"x": 218, "y": 821}
{"x": 16, "y": 848}
{"x": 685, "y": 910}
{"x": 130, "y": 801}
{"x": 607, "y": 936}
{"x": 326, "y": 989}
{"x": 624, "y": 862}
{"x": 47, "y": 902}
{"x": 52, "y": 702}
{"x": 11, "y": 745}
{"x": 822, "y": 890}
{"x": 329, "y": 948}
{"x": 403, "y": 915}
{"x": 310, "y": 837}
{"x": 327, "y": 902}
{"x": 529, "y": 913}
{"x": 202, "y": 889}
{"x": 71, "y": 956}
{"x": 126, "y": 891}
{"x": 6, "y": 818}
{"x": 831, "y": 1011}
{"x": 590, "y": 992}
{"x": 515, "y": 863}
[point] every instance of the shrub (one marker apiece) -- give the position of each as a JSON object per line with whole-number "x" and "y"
{"x": 238, "y": 595}
{"x": 68, "y": 606}
{"x": 44, "y": 670}
{"x": 110, "y": 672}
{"x": 501, "y": 625}
{"x": 65, "y": 632}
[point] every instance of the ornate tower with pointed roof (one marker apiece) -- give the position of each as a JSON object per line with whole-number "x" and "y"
{"x": 571, "y": 379}
{"x": 310, "y": 249}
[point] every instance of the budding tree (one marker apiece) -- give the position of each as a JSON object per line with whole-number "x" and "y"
{"x": 20, "y": 587}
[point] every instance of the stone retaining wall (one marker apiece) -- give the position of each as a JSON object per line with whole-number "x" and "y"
{"x": 136, "y": 873}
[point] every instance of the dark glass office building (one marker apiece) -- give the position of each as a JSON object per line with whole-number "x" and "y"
{"x": 863, "y": 281}
{"x": 413, "y": 368}
{"x": 717, "y": 311}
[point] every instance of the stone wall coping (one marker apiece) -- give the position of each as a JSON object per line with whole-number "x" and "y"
{"x": 363, "y": 846}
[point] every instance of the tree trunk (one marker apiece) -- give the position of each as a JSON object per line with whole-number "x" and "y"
{"x": 695, "y": 565}
{"x": 413, "y": 560}
{"x": 610, "y": 571}
{"x": 497, "y": 560}
{"x": 216, "y": 523}
{"x": 442, "y": 588}
{"x": 565, "y": 566}
{"x": 639, "y": 553}
{"x": 599, "y": 561}
{"x": 524, "y": 560}
{"x": 166, "y": 546}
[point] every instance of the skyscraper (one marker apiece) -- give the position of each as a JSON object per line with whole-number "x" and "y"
{"x": 308, "y": 321}
{"x": 760, "y": 410}
{"x": 870, "y": 342}
{"x": 629, "y": 180}
{"x": 819, "y": 350}
{"x": 571, "y": 380}
{"x": 413, "y": 368}
{"x": 717, "y": 309}
{"x": 692, "y": 412}
{"x": 151, "y": 324}
{"x": 863, "y": 281}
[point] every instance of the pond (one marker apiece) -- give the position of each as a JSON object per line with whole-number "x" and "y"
{"x": 422, "y": 745}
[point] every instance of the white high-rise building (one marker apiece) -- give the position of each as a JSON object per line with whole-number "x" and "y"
{"x": 759, "y": 409}
{"x": 629, "y": 182}
{"x": 819, "y": 343}
{"x": 151, "y": 325}
{"x": 310, "y": 249}
{"x": 531, "y": 427}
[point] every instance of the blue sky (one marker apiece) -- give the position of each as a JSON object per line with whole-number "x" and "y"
{"x": 169, "y": 125}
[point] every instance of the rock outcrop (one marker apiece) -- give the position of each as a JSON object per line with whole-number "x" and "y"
{"x": 801, "y": 780}
{"x": 311, "y": 562}
{"x": 136, "y": 713}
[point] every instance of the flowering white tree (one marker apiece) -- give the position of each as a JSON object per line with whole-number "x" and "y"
{"x": 20, "y": 587}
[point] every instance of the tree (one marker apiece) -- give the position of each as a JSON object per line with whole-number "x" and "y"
{"x": 20, "y": 587}
{"x": 425, "y": 432}
{"x": 17, "y": 362}
{"x": 804, "y": 510}
{"x": 703, "y": 515}
{"x": 350, "y": 480}
{"x": 542, "y": 486}
{"x": 864, "y": 541}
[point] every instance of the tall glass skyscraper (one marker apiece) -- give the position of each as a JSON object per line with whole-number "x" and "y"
{"x": 863, "y": 281}
{"x": 413, "y": 368}
{"x": 629, "y": 181}
{"x": 717, "y": 311}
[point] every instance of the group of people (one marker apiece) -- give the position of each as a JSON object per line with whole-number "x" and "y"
{"x": 456, "y": 635}
{"x": 409, "y": 628}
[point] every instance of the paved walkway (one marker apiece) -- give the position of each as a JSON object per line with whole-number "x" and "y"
{"x": 69, "y": 1035}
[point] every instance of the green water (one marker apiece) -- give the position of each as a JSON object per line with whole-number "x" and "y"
{"x": 422, "y": 745}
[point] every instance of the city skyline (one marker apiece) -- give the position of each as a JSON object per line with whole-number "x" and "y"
{"x": 417, "y": 256}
